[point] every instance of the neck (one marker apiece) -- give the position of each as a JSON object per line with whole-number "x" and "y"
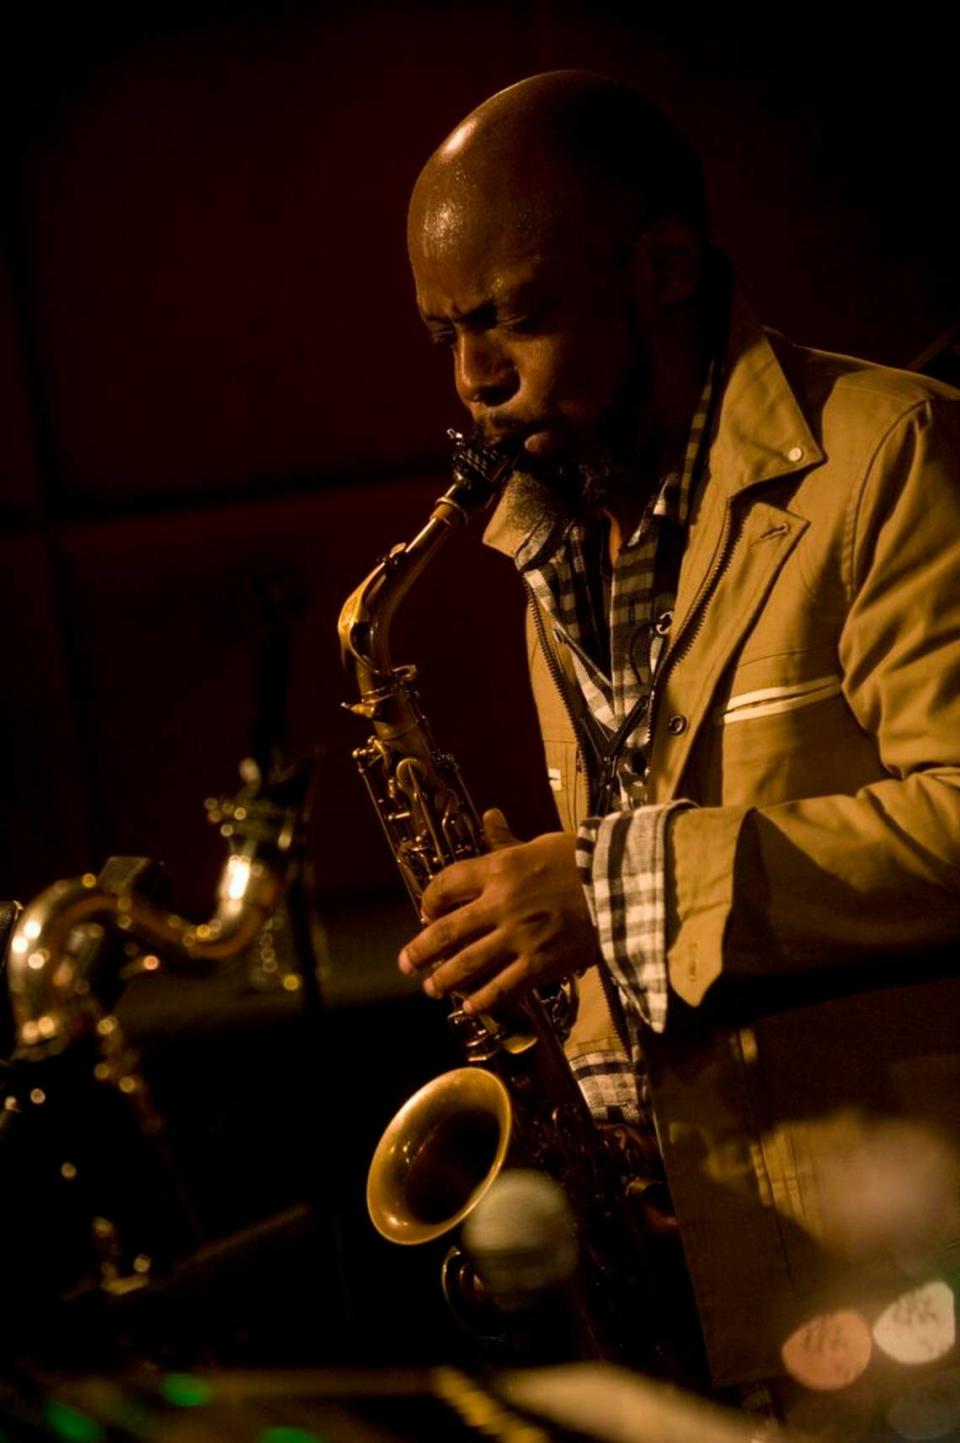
{"x": 680, "y": 362}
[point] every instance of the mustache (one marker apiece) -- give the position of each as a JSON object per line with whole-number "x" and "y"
{"x": 506, "y": 431}
{"x": 504, "y": 442}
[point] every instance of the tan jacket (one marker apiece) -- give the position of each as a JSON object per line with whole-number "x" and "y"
{"x": 810, "y": 705}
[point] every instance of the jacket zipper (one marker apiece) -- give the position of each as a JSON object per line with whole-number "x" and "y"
{"x": 553, "y": 666}
{"x": 692, "y": 626}
{"x": 612, "y": 996}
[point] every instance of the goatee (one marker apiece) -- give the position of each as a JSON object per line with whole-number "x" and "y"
{"x": 616, "y": 464}
{"x": 548, "y": 496}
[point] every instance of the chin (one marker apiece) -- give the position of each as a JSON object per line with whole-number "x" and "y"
{"x": 547, "y": 493}
{"x": 537, "y": 501}
{"x": 572, "y": 489}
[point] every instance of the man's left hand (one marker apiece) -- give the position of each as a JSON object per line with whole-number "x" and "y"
{"x": 506, "y": 921}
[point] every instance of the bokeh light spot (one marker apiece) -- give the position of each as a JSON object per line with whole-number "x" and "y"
{"x": 185, "y": 1391}
{"x": 920, "y": 1326}
{"x": 71, "y": 1424}
{"x": 830, "y": 1351}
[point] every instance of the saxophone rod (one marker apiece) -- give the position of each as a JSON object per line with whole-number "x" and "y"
{"x": 49, "y": 987}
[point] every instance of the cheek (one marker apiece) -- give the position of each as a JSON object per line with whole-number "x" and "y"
{"x": 584, "y": 376}
{"x": 543, "y": 366}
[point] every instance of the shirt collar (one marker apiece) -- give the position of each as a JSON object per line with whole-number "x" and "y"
{"x": 671, "y": 502}
{"x": 760, "y": 433}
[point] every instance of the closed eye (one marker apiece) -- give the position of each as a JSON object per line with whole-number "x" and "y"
{"x": 525, "y": 322}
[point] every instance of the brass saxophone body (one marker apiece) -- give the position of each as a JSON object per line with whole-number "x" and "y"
{"x": 416, "y": 789}
{"x": 517, "y": 1099}
{"x": 53, "y": 951}
{"x": 74, "y": 1079}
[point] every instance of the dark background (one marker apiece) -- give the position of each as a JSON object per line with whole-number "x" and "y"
{"x": 212, "y": 372}
{"x": 213, "y": 381}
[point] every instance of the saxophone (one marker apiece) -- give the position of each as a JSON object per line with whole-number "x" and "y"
{"x": 53, "y": 975}
{"x": 73, "y": 1078}
{"x": 516, "y": 1099}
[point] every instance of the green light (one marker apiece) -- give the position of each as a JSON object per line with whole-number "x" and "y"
{"x": 289, "y": 1435}
{"x": 71, "y": 1424}
{"x": 185, "y": 1391}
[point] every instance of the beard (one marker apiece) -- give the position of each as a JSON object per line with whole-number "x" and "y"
{"x": 609, "y": 465}
{"x": 569, "y": 491}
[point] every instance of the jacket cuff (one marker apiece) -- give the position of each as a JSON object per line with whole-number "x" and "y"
{"x": 701, "y": 848}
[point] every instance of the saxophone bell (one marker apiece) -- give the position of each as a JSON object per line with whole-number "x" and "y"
{"x": 439, "y": 1155}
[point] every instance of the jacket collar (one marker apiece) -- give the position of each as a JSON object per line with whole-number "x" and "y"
{"x": 761, "y": 431}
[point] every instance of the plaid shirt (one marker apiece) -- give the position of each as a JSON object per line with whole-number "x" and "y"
{"x": 621, "y": 855}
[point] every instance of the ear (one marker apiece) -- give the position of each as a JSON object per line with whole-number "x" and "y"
{"x": 669, "y": 261}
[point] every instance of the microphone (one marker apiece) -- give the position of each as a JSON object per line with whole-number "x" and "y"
{"x": 521, "y": 1238}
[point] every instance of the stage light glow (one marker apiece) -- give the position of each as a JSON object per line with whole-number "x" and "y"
{"x": 889, "y": 1191}
{"x": 70, "y": 1424}
{"x": 456, "y": 142}
{"x": 829, "y": 1351}
{"x": 920, "y": 1326}
{"x": 183, "y": 1390}
{"x": 238, "y": 877}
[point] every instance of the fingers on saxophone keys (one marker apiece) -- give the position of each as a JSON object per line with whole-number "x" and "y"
{"x": 465, "y": 969}
{"x": 451, "y": 888}
{"x": 437, "y": 941}
{"x": 503, "y": 988}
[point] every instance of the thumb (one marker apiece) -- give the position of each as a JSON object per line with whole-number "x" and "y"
{"x": 497, "y": 831}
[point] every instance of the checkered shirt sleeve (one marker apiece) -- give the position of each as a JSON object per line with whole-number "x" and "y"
{"x": 621, "y": 864}
{"x": 614, "y": 1091}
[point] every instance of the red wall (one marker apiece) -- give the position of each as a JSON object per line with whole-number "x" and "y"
{"x": 211, "y": 370}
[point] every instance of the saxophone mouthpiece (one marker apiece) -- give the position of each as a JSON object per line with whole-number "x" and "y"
{"x": 479, "y": 471}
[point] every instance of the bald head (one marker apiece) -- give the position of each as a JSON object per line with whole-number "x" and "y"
{"x": 556, "y": 239}
{"x": 567, "y": 148}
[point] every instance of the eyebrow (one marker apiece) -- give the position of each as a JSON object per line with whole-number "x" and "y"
{"x": 482, "y": 315}
{"x": 485, "y": 313}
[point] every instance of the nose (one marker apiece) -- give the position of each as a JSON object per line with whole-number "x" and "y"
{"x": 485, "y": 374}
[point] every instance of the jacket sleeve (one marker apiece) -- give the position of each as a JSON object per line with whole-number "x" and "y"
{"x": 842, "y": 881}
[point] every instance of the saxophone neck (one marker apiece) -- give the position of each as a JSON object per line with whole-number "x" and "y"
{"x": 364, "y": 627}
{"x": 367, "y": 614}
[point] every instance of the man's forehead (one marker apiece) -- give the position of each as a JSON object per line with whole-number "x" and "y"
{"x": 477, "y": 235}
{"x": 459, "y": 283}
{"x": 469, "y": 212}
